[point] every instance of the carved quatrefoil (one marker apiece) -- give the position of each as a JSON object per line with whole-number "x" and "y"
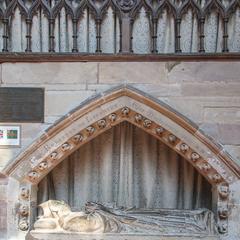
{"x": 23, "y": 224}
{"x": 125, "y": 111}
{"x": 172, "y": 138}
{"x": 66, "y": 146}
{"x": 33, "y": 175}
{"x": 90, "y": 130}
{"x": 159, "y": 130}
{"x": 54, "y": 155}
{"x": 24, "y": 210}
{"x": 78, "y": 138}
{"x": 112, "y": 117}
{"x": 147, "y": 123}
{"x": 194, "y": 157}
{"x": 138, "y": 118}
{"x": 24, "y": 193}
{"x": 184, "y": 147}
{"x": 205, "y": 167}
{"x": 43, "y": 166}
{"x": 102, "y": 123}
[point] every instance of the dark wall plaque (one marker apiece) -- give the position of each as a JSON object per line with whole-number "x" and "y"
{"x": 21, "y": 104}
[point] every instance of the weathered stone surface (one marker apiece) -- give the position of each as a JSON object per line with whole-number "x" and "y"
{"x": 227, "y": 134}
{"x": 132, "y": 72}
{"x": 6, "y": 155}
{"x": 203, "y": 71}
{"x": 211, "y": 89}
{"x": 3, "y": 209}
{"x": 234, "y": 151}
{"x": 3, "y": 179}
{"x": 156, "y": 90}
{"x": 3, "y": 219}
{"x": 50, "y": 87}
{"x": 3, "y": 193}
{"x": 61, "y": 102}
{"x": 191, "y": 109}
{"x": 98, "y": 88}
{"x": 3, "y": 234}
{"x": 160, "y": 90}
{"x": 45, "y": 73}
{"x": 222, "y": 115}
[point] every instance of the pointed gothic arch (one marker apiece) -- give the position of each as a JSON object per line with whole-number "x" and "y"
{"x": 100, "y": 113}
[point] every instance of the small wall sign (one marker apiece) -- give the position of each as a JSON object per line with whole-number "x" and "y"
{"x": 10, "y": 136}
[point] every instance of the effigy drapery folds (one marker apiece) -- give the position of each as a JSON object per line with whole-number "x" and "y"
{"x": 100, "y": 219}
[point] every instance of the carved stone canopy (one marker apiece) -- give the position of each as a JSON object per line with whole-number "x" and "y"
{"x": 102, "y": 112}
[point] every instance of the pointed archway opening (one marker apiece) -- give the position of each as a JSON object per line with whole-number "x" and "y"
{"x": 104, "y": 112}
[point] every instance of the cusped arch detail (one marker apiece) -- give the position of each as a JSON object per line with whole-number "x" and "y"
{"x": 108, "y": 109}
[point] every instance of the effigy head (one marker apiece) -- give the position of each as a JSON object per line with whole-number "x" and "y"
{"x": 54, "y": 208}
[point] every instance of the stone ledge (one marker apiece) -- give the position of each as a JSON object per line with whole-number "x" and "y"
{"x": 35, "y": 235}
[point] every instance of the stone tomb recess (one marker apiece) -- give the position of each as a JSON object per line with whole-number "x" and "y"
{"x": 101, "y": 220}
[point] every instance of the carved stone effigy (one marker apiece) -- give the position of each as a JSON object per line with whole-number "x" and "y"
{"x": 97, "y": 218}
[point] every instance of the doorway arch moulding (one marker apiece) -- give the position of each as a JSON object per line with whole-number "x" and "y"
{"x": 100, "y": 113}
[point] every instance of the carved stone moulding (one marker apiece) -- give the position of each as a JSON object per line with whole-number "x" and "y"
{"x": 23, "y": 208}
{"x": 137, "y": 119}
